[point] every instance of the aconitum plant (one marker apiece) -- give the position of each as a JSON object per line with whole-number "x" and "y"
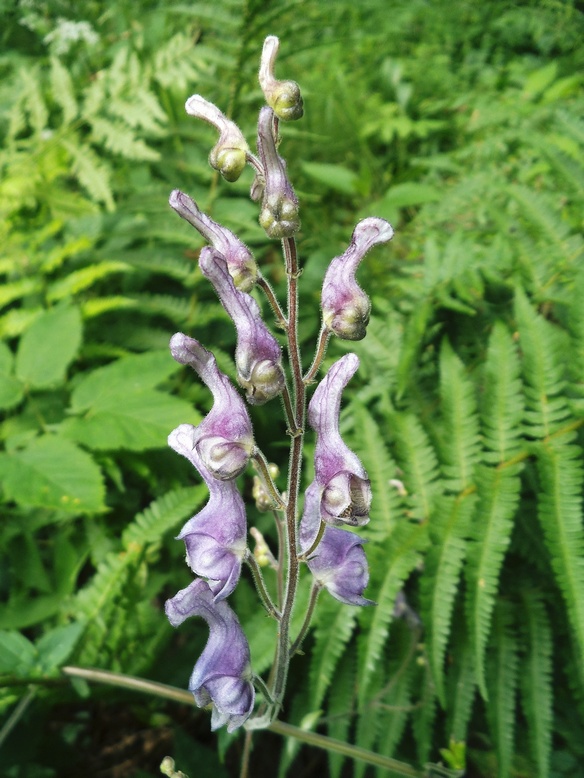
{"x": 312, "y": 528}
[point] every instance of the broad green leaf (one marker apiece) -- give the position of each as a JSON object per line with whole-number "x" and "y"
{"x": 336, "y": 177}
{"x": 17, "y": 653}
{"x": 129, "y": 375}
{"x": 52, "y": 473}
{"x": 56, "y": 646}
{"x": 11, "y": 390}
{"x": 129, "y": 420}
{"x": 48, "y": 347}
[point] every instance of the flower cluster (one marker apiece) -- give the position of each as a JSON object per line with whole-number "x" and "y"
{"x": 222, "y": 446}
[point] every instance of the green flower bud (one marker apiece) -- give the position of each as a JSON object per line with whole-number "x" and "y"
{"x": 229, "y": 155}
{"x": 283, "y": 97}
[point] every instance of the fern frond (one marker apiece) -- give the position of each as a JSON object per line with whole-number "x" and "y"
{"x": 340, "y": 708}
{"x": 502, "y": 404}
{"x": 546, "y": 403}
{"x": 540, "y": 213}
{"x": 334, "y": 628}
{"x": 417, "y": 460}
{"x": 536, "y": 680}
{"x": 449, "y": 529}
{"x": 82, "y": 279}
{"x": 502, "y": 681}
{"x": 63, "y": 91}
{"x": 386, "y": 507}
{"x": 93, "y": 175}
{"x": 119, "y": 138}
{"x": 461, "y": 690}
{"x": 498, "y": 497}
{"x": 460, "y": 443}
{"x": 424, "y": 717}
{"x": 396, "y": 560}
{"x": 561, "y": 474}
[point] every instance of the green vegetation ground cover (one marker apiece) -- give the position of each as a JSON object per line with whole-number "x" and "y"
{"x": 462, "y": 124}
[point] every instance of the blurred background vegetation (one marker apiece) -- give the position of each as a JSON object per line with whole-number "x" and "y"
{"x": 461, "y": 123}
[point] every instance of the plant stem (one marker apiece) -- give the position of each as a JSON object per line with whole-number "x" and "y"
{"x": 282, "y": 659}
{"x": 323, "y": 339}
{"x": 314, "y": 592}
{"x": 274, "y": 304}
{"x": 279, "y": 727}
{"x": 262, "y": 467}
{"x": 260, "y": 585}
{"x": 17, "y": 713}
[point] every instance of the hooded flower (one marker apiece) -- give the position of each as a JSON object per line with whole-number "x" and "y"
{"x": 279, "y": 212}
{"x": 345, "y": 306}
{"x": 215, "y": 538}
{"x": 257, "y": 354}
{"x": 229, "y": 155}
{"x": 240, "y": 262}
{"x": 341, "y": 492}
{"x": 222, "y": 676}
{"x": 224, "y": 439}
{"x": 340, "y": 566}
{"x": 283, "y": 97}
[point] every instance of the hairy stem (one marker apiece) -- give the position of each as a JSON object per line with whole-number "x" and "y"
{"x": 261, "y": 464}
{"x": 314, "y": 592}
{"x": 273, "y": 301}
{"x": 323, "y": 339}
{"x": 258, "y": 579}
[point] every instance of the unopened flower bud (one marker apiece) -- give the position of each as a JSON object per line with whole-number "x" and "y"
{"x": 345, "y": 306}
{"x": 229, "y": 155}
{"x": 261, "y": 552}
{"x": 258, "y": 354}
{"x": 224, "y": 439}
{"x": 279, "y": 212}
{"x": 283, "y": 97}
{"x": 240, "y": 262}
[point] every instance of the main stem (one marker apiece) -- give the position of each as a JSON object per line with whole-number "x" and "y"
{"x": 296, "y": 426}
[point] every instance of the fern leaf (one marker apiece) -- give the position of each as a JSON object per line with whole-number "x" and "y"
{"x": 119, "y": 138}
{"x": 63, "y": 91}
{"x": 449, "y": 528}
{"x": 561, "y": 475}
{"x": 340, "y": 709}
{"x": 82, "y": 279}
{"x": 386, "y": 508}
{"x": 417, "y": 460}
{"x": 498, "y": 498}
{"x": 163, "y": 515}
{"x": 536, "y": 677}
{"x": 334, "y": 628}
{"x": 398, "y": 558}
{"x": 460, "y": 444}
{"x": 502, "y": 681}
{"x": 546, "y": 403}
{"x": 461, "y": 693}
{"x": 539, "y": 213}
{"x": 502, "y": 406}
{"x": 424, "y": 717}
{"x": 91, "y": 173}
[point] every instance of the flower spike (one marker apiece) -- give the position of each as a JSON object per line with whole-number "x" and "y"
{"x": 283, "y": 97}
{"x": 239, "y": 259}
{"x": 224, "y": 439}
{"x": 215, "y": 538}
{"x": 222, "y": 675}
{"x": 229, "y": 155}
{"x": 257, "y": 354}
{"x": 345, "y": 306}
{"x": 279, "y": 212}
{"x": 341, "y": 490}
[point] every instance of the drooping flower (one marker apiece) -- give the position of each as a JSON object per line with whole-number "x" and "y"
{"x": 279, "y": 210}
{"x": 215, "y": 538}
{"x": 283, "y": 97}
{"x": 341, "y": 492}
{"x": 222, "y": 676}
{"x": 339, "y": 564}
{"x": 240, "y": 262}
{"x": 229, "y": 155}
{"x": 258, "y": 355}
{"x": 224, "y": 439}
{"x": 345, "y": 306}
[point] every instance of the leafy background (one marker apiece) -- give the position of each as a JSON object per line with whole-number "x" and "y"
{"x": 461, "y": 123}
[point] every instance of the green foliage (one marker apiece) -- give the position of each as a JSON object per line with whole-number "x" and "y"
{"x": 462, "y": 125}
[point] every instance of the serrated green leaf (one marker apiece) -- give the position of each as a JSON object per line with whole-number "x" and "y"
{"x": 133, "y": 421}
{"x": 11, "y": 389}
{"x": 56, "y": 646}
{"x": 17, "y": 654}
{"x": 48, "y": 346}
{"x": 54, "y": 474}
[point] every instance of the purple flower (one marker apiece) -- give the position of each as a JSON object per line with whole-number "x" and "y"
{"x": 224, "y": 439}
{"x": 279, "y": 212}
{"x": 341, "y": 492}
{"x": 345, "y": 306}
{"x": 215, "y": 538}
{"x": 222, "y": 675}
{"x": 338, "y": 563}
{"x": 257, "y": 354}
{"x": 229, "y": 155}
{"x": 283, "y": 97}
{"x": 240, "y": 262}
